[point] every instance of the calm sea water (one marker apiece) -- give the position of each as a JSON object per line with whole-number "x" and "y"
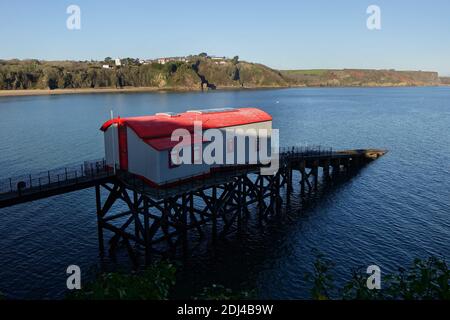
{"x": 394, "y": 210}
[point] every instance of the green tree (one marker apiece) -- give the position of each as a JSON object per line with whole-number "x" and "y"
{"x": 321, "y": 277}
{"x": 219, "y": 292}
{"x": 52, "y": 81}
{"x": 427, "y": 279}
{"x": 152, "y": 284}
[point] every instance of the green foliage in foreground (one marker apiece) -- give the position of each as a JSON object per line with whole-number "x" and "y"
{"x": 219, "y": 292}
{"x": 427, "y": 279}
{"x": 152, "y": 284}
{"x": 424, "y": 280}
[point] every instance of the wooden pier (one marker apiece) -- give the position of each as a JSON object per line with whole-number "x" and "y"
{"x": 159, "y": 220}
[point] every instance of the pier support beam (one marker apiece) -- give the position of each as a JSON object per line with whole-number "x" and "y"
{"x": 98, "y": 202}
{"x": 167, "y": 225}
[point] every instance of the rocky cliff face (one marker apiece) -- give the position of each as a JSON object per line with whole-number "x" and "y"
{"x": 229, "y": 74}
{"x": 357, "y": 78}
{"x": 198, "y": 73}
{"x": 445, "y": 80}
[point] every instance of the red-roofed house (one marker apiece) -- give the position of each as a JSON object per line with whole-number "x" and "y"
{"x": 143, "y": 145}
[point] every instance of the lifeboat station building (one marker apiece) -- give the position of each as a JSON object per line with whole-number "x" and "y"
{"x": 143, "y": 145}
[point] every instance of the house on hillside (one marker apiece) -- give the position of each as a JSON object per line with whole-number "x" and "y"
{"x": 217, "y": 58}
{"x": 162, "y": 60}
{"x": 171, "y": 59}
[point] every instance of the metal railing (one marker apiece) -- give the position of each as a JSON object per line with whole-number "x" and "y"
{"x": 305, "y": 152}
{"x": 221, "y": 173}
{"x": 90, "y": 170}
{"x": 57, "y": 177}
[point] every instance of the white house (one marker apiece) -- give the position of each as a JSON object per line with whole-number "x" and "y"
{"x": 118, "y": 62}
{"x": 217, "y": 58}
{"x": 171, "y": 59}
{"x": 143, "y": 145}
{"x": 162, "y": 60}
{"x": 105, "y": 66}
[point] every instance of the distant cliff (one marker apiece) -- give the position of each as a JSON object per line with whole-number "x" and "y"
{"x": 445, "y": 80}
{"x": 360, "y": 78}
{"x": 194, "y": 73}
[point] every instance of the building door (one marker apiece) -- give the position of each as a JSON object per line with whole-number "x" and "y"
{"x": 123, "y": 147}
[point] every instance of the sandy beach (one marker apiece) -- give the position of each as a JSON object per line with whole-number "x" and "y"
{"x": 40, "y": 92}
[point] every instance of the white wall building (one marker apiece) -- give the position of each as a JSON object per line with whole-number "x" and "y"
{"x": 143, "y": 145}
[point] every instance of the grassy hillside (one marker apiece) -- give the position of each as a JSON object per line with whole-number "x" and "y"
{"x": 240, "y": 74}
{"x": 356, "y": 78}
{"x": 34, "y": 74}
{"x": 194, "y": 74}
{"x": 445, "y": 80}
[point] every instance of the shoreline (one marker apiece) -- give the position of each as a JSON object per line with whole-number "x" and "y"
{"x": 48, "y": 92}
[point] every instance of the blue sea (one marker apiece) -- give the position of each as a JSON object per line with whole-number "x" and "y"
{"x": 392, "y": 211}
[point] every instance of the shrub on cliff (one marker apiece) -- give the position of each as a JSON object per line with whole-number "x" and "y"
{"x": 427, "y": 279}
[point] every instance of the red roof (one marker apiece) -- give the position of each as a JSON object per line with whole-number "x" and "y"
{"x": 157, "y": 129}
{"x": 165, "y": 143}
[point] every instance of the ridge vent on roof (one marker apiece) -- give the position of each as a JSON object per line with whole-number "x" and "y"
{"x": 168, "y": 114}
{"x": 216, "y": 110}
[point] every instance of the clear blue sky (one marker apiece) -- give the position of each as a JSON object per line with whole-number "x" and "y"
{"x": 284, "y": 34}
